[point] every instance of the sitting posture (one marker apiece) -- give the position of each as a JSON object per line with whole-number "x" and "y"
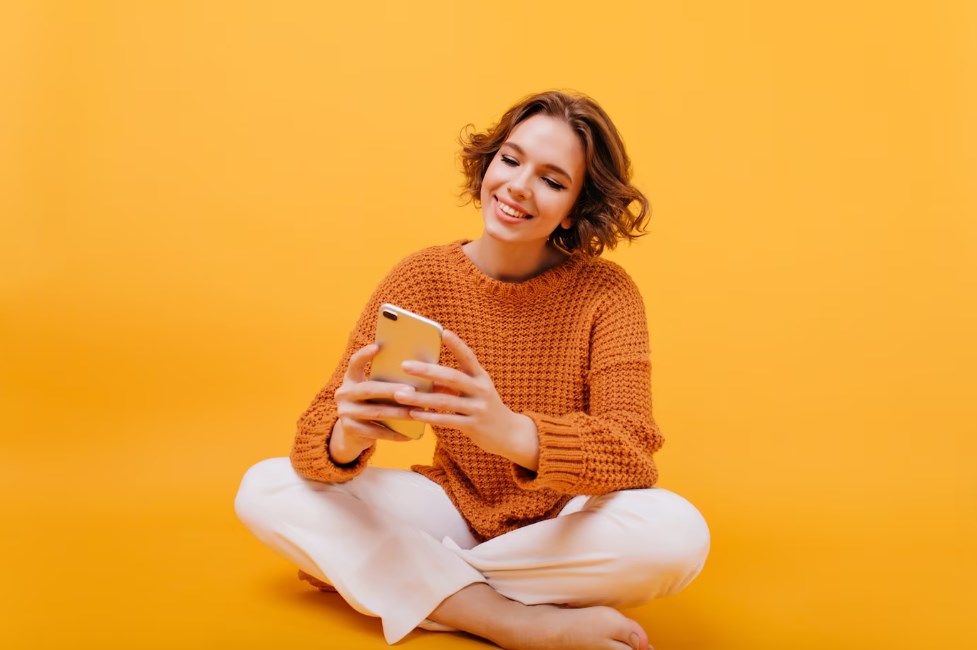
{"x": 537, "y": 515}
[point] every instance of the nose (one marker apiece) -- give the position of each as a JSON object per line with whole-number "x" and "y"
{"x": 519, "y": 186}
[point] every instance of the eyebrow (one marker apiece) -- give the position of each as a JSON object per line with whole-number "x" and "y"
{"x": 522, "y": 152}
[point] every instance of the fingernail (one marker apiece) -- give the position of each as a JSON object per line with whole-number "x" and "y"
{"x": 635, "y": 641}
{"x": 409, "y": 365}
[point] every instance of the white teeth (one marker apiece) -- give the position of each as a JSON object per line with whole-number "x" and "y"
{"x": 509, "y": 211}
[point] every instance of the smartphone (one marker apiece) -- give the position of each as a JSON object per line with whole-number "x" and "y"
{"x": 404, "y": 335}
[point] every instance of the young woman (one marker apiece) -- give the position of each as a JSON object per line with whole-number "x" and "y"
{"x": 537, "y": 514}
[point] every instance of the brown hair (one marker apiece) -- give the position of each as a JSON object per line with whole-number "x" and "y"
{"x": 601, "y": 214}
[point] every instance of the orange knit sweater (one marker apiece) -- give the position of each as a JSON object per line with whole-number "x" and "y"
{"x": 568, "y": 348}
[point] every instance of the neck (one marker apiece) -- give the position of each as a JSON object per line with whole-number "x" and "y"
{"x": 512, "y": 262}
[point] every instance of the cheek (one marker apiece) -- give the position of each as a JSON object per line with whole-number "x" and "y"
{"x": 487, "y": 182}
{"x": 491, "y": 175}
{"x": 560, "y": 205}
{"x": 571, "y": 200}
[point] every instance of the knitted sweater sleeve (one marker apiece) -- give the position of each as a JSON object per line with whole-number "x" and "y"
{"x": 609, "y": 446}
{"x": 310, "y": 448}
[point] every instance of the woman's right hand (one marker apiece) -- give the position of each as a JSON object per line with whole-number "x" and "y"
{"x": 357, "y": 428}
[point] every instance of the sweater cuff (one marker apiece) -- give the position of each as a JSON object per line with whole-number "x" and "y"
{"x": 343, "y": 473}
{"x": 561, "y": 456}
{"x": 312, "y": 460}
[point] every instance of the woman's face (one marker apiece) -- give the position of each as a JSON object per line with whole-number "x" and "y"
{"x": 533, "y": 181}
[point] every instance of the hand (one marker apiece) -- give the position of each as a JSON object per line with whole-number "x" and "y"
{"x": 357, "y": 429}
{"x": 469, "y": 402}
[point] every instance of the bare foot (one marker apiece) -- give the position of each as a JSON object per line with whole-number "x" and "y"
{"x": 588, "y": 628}
{"x": 482, "y": 611}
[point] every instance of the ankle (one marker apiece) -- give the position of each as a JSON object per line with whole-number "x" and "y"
{"x": 480, "y": 610}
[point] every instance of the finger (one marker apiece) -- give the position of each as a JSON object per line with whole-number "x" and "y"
{"x": 467, "y": 360}
{"x": 449, "y": 420}
{"x": 454, "y": 379}
{"x": 357, "y": 362}
{"x": 367, "y": 411}
{"x": 373, "y": 431}
{"x": 372, "y": 389}
{"x": 436, "y": 401}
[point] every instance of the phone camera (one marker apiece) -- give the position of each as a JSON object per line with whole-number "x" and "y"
{"x": 389, "y": 314}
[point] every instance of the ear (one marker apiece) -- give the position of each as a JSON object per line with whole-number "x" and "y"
{"x": 566, "y": 223}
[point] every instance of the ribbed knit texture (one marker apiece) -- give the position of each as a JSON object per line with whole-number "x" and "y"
{"x": 568, "y": 348}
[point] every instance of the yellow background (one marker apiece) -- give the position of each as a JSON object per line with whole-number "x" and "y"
{"x": 198, "y": 197}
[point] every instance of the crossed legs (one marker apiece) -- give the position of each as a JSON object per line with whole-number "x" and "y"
{"x": 393, "y": 545}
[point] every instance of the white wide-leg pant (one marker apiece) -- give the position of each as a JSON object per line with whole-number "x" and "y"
{"x": 394, "y": 546}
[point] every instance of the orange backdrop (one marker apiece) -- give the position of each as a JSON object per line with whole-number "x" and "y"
{"x": 198, "y": 197}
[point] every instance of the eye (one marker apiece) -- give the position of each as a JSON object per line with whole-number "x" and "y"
{"x": 509, "y": 161}
{"x": 553, "y": 184}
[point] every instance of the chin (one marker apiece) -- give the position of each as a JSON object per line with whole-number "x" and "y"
{"x": 501, "y": 234}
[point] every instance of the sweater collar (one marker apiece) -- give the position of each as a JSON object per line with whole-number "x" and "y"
{"x": 534, "y": 287}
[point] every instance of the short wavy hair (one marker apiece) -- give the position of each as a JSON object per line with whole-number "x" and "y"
{"x": 601, "y": 215}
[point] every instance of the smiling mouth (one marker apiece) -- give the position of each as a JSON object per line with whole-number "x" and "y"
{"x": 512, "y": 212}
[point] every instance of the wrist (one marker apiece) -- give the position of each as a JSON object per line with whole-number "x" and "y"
{"x": 343, "y": 448}
{"x": 525, "y": 442}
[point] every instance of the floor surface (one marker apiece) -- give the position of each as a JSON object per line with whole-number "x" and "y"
{"x": 130, "y": 541}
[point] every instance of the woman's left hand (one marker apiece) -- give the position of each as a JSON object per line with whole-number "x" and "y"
{"x": 470, "y": 403}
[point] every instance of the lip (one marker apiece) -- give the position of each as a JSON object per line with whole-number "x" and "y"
{"x": 503, "y": 217}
